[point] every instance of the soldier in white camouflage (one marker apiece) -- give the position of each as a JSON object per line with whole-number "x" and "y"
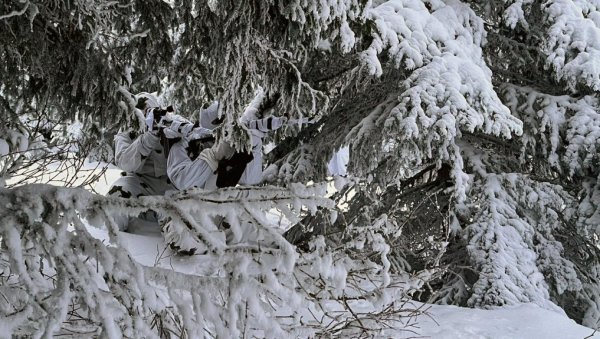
{"x": 142, "y": 158}
{"x": 215, "y": 166}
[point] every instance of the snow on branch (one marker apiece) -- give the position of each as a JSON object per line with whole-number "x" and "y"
{"x": 58, "y": 273}
{"x": 413, "y": 33}
{"x": 514, "y": 241}
{"x": 438, "y": 102}
{"x": 562, "y": 133}
{"x": 572, "y": 41}
{"x": 59, "y": 279}
{"x": 564, "y": 130}
{"x": 569, "y": 33}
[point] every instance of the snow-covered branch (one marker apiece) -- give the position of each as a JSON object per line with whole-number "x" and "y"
{"x": 60, "y": 279}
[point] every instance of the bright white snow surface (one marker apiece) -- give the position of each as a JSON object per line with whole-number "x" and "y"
{"x": 523, "y": 321}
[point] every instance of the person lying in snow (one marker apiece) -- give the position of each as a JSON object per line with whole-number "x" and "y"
{"x": 143, "y": 159}
{"x": 194, "y": 160}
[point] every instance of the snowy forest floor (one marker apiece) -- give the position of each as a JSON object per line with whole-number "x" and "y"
{"x": 147, "y": 247}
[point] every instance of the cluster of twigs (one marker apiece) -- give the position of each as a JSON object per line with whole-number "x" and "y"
{"x": 61, "y": 167}
{"x": 48, "y": 152}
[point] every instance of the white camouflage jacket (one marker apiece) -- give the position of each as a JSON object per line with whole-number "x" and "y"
{"x": 142, "y": 155}
{"x": 185, "y": 173}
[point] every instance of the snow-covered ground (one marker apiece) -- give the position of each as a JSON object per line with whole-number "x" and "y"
{"x": 522, "y": 321}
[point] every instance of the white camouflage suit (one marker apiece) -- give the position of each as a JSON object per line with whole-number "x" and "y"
{"x": 143, "y": 161}
{"x": 186, "y": 173}
{"x": 201, "y": 172}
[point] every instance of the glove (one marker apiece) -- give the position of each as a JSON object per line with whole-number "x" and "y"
{"x": 223, "y": 150}
{"x": 178, "y": 129}
{"x": 230, "y": 170}
{"x": 155, "y": 117}
{"x": 218, "y": 152}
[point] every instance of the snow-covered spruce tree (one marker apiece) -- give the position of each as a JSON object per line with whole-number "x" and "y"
{"x": 545, "y": 72}
{"x": 472, "y": 128}
{"x": 403, "y": 121}
{"x": 66, "y": 67}
{"x": 59, "y": 279}
{"x": 479, "y": 137}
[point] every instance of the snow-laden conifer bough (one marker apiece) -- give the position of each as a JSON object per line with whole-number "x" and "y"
{"x": 59, "y": 279}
